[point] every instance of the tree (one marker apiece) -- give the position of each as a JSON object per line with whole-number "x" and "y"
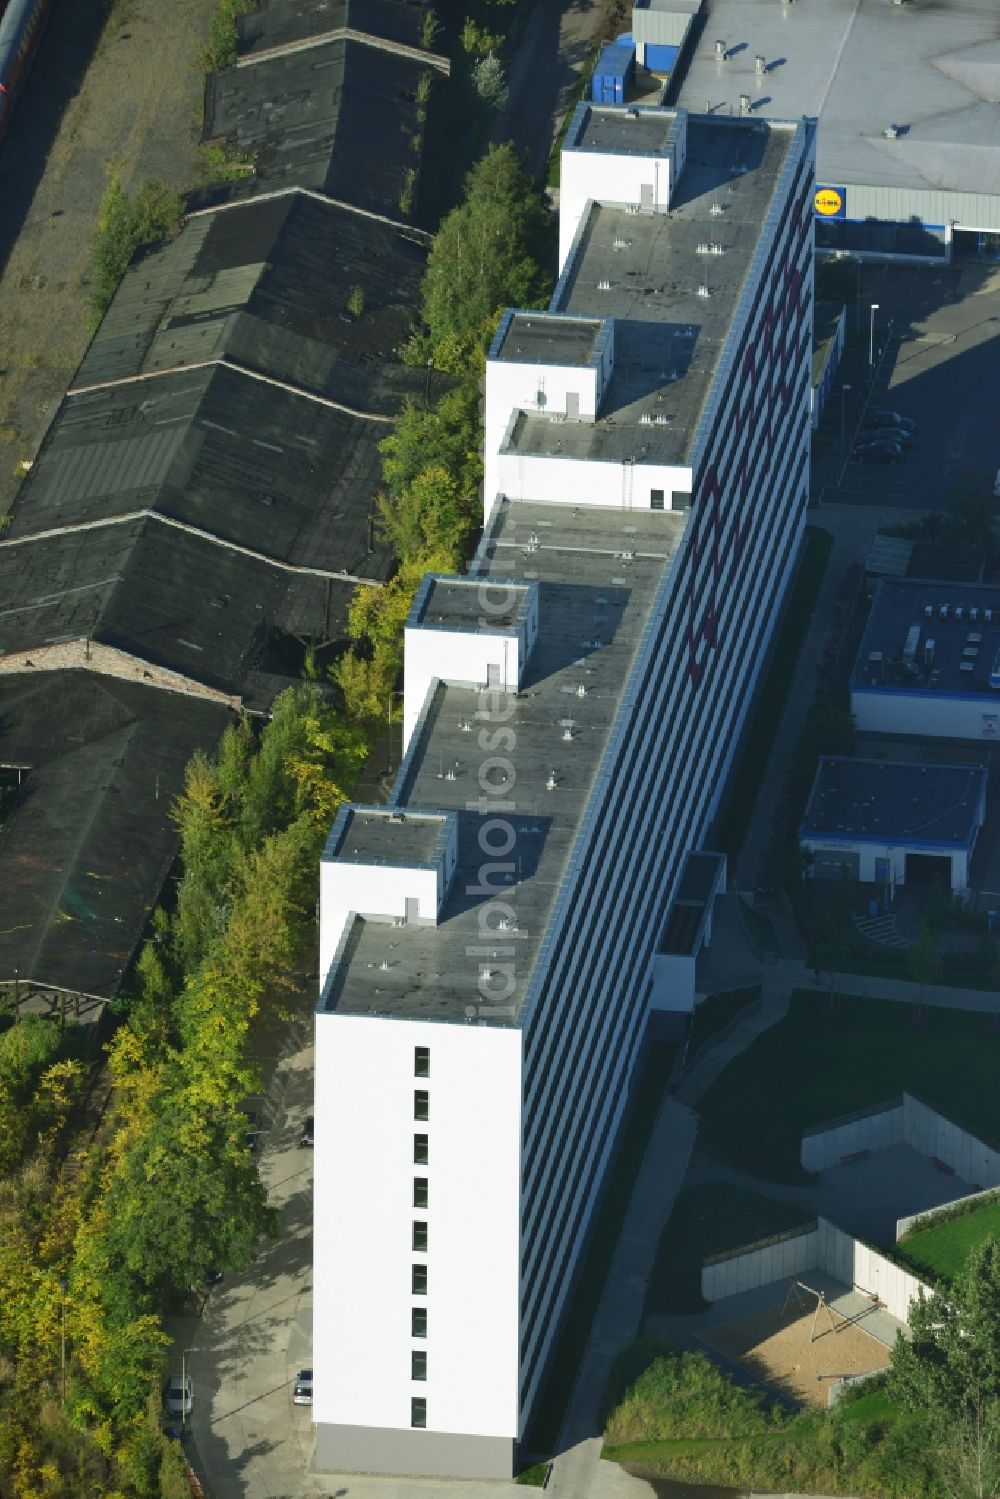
{"x": 970, "y": 1457}
{"x": 123, "y": 224}
{"x": 489, "y": 82}
{"x": 925, "y": 962}
{"x": 477, "y": 41}
{"x": 951, "y": 1366}
{"x": 443, "y": 435}
{"x": 427, "y": 517}
{"x": 974, "y": 509}
{"x": 484, "y": 255}
{"x": 829, "y": 951}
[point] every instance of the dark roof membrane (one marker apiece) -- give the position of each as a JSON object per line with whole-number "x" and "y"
{"x": 87, "y": 842}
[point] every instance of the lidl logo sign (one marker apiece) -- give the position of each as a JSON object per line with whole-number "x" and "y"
{"x": 829, "y": 202}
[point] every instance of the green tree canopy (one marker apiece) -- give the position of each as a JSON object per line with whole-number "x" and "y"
{"x": 952, "y": 1365}
{"x": 486, "y": 255}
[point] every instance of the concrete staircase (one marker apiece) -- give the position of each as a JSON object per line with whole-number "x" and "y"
{"x": 882, "y": 929}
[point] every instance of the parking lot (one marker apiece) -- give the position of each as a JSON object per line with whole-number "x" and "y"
{"x": 935, "y": 335}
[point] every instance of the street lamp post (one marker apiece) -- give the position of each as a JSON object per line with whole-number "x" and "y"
{"x": 871, "y": 335}
{"x": 184, "y": 1354}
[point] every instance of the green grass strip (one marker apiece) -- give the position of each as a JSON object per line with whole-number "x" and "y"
{"x": 817, "y": 1065}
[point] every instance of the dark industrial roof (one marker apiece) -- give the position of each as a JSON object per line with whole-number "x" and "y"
{"x": 930, "y": 637}
{"x": 87, "y": 841}
{"x": 340, "y": 118}
{"x": 250, "y": 462}
{"x": 287, "y": 21}
{"x": 158, "y": 593}
{"x": 902, "y": 801}
{"x": 271, "y": 286}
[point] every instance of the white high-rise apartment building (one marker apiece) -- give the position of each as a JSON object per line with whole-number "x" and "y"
{"x": 492, "y": 939}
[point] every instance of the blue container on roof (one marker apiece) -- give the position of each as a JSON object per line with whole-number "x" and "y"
{"x": 613, "y": 74}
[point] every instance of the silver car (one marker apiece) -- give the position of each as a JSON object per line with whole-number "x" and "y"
{"x": 178, "y": 1397}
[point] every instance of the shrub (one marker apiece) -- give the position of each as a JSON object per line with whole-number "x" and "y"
{"x": 123, "y": 225}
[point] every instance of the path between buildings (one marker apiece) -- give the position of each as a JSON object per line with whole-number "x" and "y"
{"x": 853, "y": 528}
{"x": 578, "y": 1472}
{"x": 556, "y": 44}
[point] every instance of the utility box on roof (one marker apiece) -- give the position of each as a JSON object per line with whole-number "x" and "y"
{"x": 614, "y": 72}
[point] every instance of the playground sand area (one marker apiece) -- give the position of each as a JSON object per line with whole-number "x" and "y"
{"x": 777, "y": 1346}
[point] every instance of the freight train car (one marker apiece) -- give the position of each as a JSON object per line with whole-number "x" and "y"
{"x": 21, "y": 25}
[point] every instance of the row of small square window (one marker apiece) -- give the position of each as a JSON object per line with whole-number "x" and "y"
{"x": 418, "y": 1314}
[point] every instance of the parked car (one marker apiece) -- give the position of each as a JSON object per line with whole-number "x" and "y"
{"x": 891, "y": 419}
{"x": 897, "y": 435}
{"x": 877, "y": 452}
{"x": 308, "y": 1135}
{"x": 302, "y": 1389}
{"x": 253, "y": 1126}
{"x": 178, "y": 1397}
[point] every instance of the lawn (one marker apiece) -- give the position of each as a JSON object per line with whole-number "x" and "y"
{"x": 650, "y": 1087}
{"x": 675, "y": 1415}
{"x": 707, "y": 1220}
{"x": 758, "y": 738}
{"x": 942, "y": 1249}
{"x": 957, "y": 971}
{"x": 816, "y": 1065}
{"x": 715, "y": 1013}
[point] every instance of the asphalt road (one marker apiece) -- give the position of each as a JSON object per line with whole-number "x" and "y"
{"x": 937, "y": 331}
{"x": 556, "y": 43}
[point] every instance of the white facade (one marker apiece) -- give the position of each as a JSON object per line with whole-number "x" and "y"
{"x": 875, "y": 862}
{"x": 363, "y": 1231}
{"x": 932, "y": 715}
{"x": 592, "y": 175}
{"x": 478, "y": 652}
{"x": 581, "y": 481}
{"x": 383, "y": 889}
{"x": 651, "y": 631}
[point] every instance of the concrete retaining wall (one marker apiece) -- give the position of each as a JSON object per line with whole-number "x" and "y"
{"x": 972, "y": 1200}
{"x": 856, "y": 1264}
{"x": 875, "y": 1129}
{"x": 938, "y": 1138}
{"x": 902, "y": 1121}
{"x": 825, "y": 1246}
{"x": 750, "y": 1268}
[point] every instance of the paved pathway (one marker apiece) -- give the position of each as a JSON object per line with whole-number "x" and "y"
{"x": 577, "y": 1472}
{"x": 774, "y": 1002}
{"x": 852, "y": 527}
{"x": 556, "y": 43}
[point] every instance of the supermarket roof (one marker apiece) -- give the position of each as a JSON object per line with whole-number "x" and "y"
{"x": 902, "y": 801}
{"x": 930, "y": 70}
{"x": 86, "y": 843}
